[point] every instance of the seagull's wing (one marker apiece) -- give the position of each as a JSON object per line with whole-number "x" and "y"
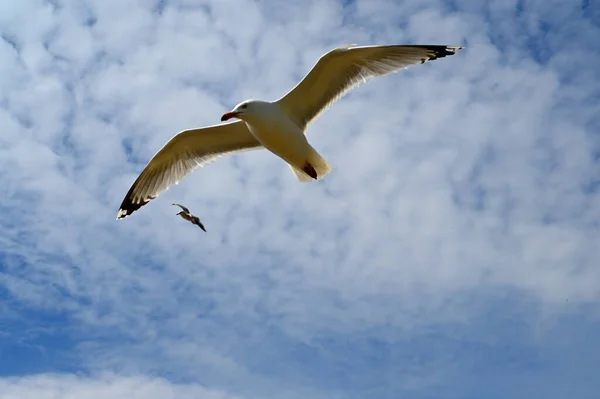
{"x": 198, "y": 223}
{"x": 182, "y": 208}
{"x": 182, "y": 154}
{"x": 347, "y": 67}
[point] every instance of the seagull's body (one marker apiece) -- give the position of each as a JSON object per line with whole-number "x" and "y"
{"x": 271, "y": 126}
{"x": 278, "y": 126}
{"x": 187, "y": 215}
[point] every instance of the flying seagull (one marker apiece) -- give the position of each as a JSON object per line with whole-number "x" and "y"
{"x": 278, "y": 126}
{"x": 186, "y": 214}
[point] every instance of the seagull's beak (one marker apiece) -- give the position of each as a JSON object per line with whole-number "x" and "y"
{"x": 228, "y": 115}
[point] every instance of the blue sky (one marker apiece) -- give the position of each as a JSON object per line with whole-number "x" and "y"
{"x": 451, "y": 253}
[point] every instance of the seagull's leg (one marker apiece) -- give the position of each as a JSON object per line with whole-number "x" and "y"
{"x": 310, "y": 170}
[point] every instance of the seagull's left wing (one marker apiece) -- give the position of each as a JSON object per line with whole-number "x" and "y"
{"x": 183, "y": 208}
{"x": 346, "y": 67}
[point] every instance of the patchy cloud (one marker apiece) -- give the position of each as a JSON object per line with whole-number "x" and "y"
{"x": 109, "y": 385}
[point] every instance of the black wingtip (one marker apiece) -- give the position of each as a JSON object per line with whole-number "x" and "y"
{"x": 440, "y": 51}
{"x": 128, "y": 206}
{"x": 126, "y": 210}
{"x": 198, "y": 223}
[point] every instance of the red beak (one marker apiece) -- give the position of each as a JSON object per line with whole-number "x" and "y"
{"x": 228, "y": 115}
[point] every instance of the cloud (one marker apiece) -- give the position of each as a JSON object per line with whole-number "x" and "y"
{"x": 65, "y": 386}
{"x": 455, "y": 238}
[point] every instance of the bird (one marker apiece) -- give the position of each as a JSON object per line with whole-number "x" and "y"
{"x": 187, "y": 215}
{"x": 277, "y": 126}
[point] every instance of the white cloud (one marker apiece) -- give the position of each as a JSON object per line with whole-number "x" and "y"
{"x": 67, "y": 386}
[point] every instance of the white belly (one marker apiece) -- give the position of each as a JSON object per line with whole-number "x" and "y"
{"x": 289, "y": 144}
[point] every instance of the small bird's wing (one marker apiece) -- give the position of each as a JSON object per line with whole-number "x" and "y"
{"x": 182, "y": 154}
{"x": 347, "y": 67}
{"x": 182, "y": 208}
{"x": 197, "y": 222}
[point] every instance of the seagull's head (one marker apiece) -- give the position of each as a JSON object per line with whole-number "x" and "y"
{"x": 245, "y": 110}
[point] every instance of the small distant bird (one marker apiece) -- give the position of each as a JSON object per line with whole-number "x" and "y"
{"x": 278, "y": 126}
{"x": 185, "y": 213}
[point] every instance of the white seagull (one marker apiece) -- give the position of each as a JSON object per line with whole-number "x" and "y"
{"x": 279, "y": 126}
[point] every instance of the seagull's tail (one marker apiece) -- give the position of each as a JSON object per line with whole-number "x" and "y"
{"x": 315, "y": 164}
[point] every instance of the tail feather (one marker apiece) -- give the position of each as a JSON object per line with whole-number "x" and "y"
{"x": 318, "y": 163}
{"x": 301, "y": 175}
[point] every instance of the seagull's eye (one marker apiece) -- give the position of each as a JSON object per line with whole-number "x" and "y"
{"x": 244, "y": 106}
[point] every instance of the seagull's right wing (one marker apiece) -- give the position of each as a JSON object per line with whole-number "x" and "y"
{"x": 346, "y": 67}
{"x": 186, "y": 151}
{"x": 183, "y": 208}
{"x": 198, "y": 223}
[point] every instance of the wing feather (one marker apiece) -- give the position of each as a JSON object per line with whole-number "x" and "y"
{"x": 182, "y": 154}
{"x": 347, "y": 67}
{"x": 183, "y": 208}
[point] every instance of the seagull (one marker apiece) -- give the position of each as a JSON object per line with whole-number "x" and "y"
{"x": 278, "y": 126}
{"x": 185, "y": 213}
